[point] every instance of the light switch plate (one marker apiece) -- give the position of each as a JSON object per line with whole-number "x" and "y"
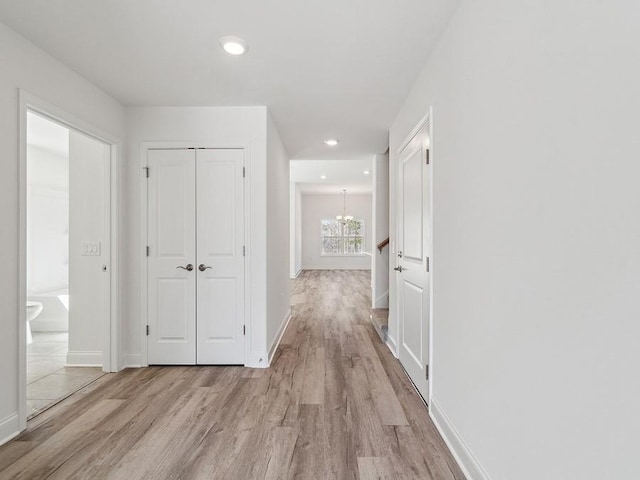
{"x": 90, "y": 249}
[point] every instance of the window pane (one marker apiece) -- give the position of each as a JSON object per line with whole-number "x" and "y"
{"x": 331, "y": 245}
{"x": 330, "y": 228}
{"x": 353, "y": 245}
{"x": 354, "y": 228}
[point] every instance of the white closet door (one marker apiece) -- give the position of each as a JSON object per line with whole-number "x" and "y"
{"x": 414, "y": 244}
{"x": 171, "y": 282}
{"x": 220, "y": 237}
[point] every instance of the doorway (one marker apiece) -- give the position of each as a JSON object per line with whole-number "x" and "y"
{"x": 66, "y": 256}
{"x": 413, "y": 255}
{"x": 195, "y": 254}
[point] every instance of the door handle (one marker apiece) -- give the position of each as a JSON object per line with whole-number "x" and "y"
{"x": 202, "y": 267}
{"x": 188, "y": 268}
{"x": 398, "y": 268}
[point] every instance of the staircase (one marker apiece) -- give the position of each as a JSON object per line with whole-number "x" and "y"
{"x": 379, "y": 319}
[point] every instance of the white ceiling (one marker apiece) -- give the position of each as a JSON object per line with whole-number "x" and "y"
{"x": 325, "y": 68}
{"x": 340, "y": 174}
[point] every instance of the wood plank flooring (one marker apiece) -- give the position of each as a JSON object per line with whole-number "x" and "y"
{"x": 334, "y": 404}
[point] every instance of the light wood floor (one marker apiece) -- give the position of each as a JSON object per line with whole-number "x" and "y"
{"x": 335, "y": 404}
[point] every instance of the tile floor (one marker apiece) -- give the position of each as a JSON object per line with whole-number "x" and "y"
{"x": 48, "y": 380}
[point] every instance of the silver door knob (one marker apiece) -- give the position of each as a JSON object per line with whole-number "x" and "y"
{"x": 188, "y": 268}
{"x": 398, "y": 268}
{"x": 202, "y": 267}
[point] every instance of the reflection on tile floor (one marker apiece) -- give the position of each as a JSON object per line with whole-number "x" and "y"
{"x": 48, "y": 380}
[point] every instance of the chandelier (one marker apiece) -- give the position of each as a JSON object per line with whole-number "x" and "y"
{"x": 344, "y": 218}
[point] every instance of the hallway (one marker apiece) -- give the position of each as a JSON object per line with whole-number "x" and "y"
{"x": 334, "y": 404}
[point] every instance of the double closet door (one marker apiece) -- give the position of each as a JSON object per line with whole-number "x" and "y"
{"x": 195, "y": 263}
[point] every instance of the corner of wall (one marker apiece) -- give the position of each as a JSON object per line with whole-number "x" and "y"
{"x": 258, "y": 360}
{"x": 278, "y": 337}
{"x": 393, "y": 345}
{"x": 84, "y": 359}
{"x": 9, "y": 428}
{"x": 460, "y": 450}
{"x": 133, "y": 360}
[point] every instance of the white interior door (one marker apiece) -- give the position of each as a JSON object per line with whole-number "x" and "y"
{"x": 171, "y": 270}
{"x": 89, "y": 250}
{"x": 220, "y": 238}
{"x": 412, "y": 270}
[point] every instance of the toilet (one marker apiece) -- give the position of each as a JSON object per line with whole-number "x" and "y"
{"x": 33, "y": 310}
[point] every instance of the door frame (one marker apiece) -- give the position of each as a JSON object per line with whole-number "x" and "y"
{"x": 111, "y": 327}
{"x": 426, "y": 120}
{"x": 144, "y": 216}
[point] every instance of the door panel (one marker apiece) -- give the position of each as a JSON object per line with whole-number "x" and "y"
{"x": 172, "y": 290}
{"x": 414, "y": 245}
{"x": 412, "y": 332}
{"x": 220, "y": 237}
{"x": 217, "y": 309}
{"x": 172, "y": 322}
{"x": 412, "y": 207}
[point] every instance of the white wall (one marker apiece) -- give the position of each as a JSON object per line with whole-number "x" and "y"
{"x": 25, "y": 66}
{"x": 536, "y": 234}
{"x": 88, "y": 223}
{"x": 277, "y": 240}
{"x": 48, "y": 233}
{"x": 223, "y": 126}
{"x": 316, "y": 207}
{"x": 380, "y": 231}
{"x": 295, "y": 230}
{"x": 47, "y": 220}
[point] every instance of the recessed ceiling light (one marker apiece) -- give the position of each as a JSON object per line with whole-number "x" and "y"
{"x": 323, "y": 177}
{"x": 332, "y": 142}
{"x": 366, "y": 172}
{"x": 234, "y": 45}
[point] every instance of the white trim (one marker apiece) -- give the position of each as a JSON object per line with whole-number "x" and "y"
{"x": 250, "y": 357}
{"x": 382, "y": 300}
{"x": 84, "y": 359}
{"x": 9, "y": 428}
{"x": 334, "y": 267}
{"x": 133, "y": 360}
{"x": 297, "y": 274}
{"x": 142, "y": 248}
{"x": 423, "y": 121}
{"x": 278, "y": 338}
{"x": 432, "y": 262}
{"x": 29, "y": 102}
{"x": 460, "y": 450}
{"x": 256, "y": 360}
{"x": 392, "y": 344}
{"x": 426, "y": 121}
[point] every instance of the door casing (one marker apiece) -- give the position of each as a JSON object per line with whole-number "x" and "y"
{"x": 427, "y": 121}
{"x": 111, "y": 328}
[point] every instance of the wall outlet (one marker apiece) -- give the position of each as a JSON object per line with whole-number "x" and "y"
{"x": 90, "y": 249}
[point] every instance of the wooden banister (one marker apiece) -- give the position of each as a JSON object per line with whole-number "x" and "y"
{"x": 383, "y": 244}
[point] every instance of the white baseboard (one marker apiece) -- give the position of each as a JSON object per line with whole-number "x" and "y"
{"x": 382, "y": 301}
{"x": 258, "y": 360}
{"x": 392, "y": 344}
{"x": 297, "y": 274}
{"x": 9, "y": 428}
{"x": 276, "y": 341}
{"x": 84, "y": 359}
{"x": 462, "y": 453}
{"x": 133, "y": 360}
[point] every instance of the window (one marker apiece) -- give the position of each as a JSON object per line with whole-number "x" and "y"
{"x": 339, "y": 239}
